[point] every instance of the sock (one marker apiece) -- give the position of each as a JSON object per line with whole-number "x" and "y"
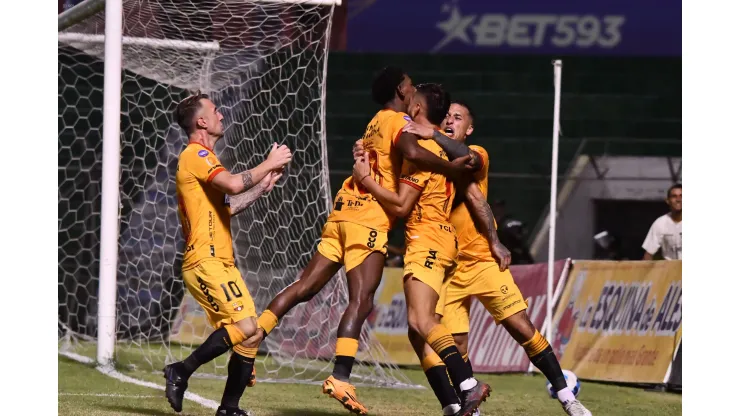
{"x": 440, "y": 339}
{"x": 267, "y": 321}
{"x": 216, "y": 344}
{"x": 345, "y": 358}
{"x": 467, "y": 362}
{"x": 565, "y": 395}
{"x": 543, "y": 357}
{"x": 440, "y": 383}
{"x": 240, "y": 370}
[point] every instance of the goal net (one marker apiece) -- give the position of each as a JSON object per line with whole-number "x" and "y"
{"x": 264, "y": 64}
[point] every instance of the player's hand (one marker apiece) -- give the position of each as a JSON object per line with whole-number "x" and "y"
{"x": 361, "y": 169}
{"x": 461, "y": 166}
{"x": 502, "y": 254}
{"x": 279, "y": 156}
{"x": 419, "y": 130}
{"x": 358, "y": 150}
{"x": 269, "y": 181}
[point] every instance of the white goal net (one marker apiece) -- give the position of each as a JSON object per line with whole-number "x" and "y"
{"x": 264, "y": 65}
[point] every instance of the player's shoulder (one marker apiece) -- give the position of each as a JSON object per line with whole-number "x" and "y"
{"x": 398, "y": 118}
{"x": 478, "y": 149}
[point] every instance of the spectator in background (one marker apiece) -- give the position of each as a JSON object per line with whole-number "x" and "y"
{"x": 511, "y": 233}
{"x": 665, "y": 233}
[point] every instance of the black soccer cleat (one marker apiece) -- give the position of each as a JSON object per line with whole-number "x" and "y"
{"x": 471, "y": 399}
{"x": 229, "y": 411}
{"x": 175, "y": 387}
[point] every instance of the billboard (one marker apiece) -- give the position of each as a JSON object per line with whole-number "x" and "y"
{"x": 577, "y": 27}
{"x": 620, "y": 321}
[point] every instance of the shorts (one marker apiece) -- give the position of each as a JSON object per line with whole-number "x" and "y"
{"x": 432, "y": 267}
{"x": 349, "y": 243}
{"x": 221, "y": 292}
{"x": 495, "y": 289}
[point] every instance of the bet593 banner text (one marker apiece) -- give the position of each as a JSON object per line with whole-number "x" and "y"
{"x": 605, "y": 27}
{"x": 620, "y": 321}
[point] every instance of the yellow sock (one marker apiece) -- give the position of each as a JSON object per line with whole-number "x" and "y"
{"x": 236, "y": 336}
{"x": 347, "y": 347}
{"x": 431, "y": 360}
{"x": 245, "y": 352}
{"x": 536, "y": 345}
{"x": 267, "y": 321}
{"x": 440, "y": 338}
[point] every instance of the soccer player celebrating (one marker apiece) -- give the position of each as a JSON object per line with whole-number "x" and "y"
{"x": 425, "y": 198}
{"x": 356, "y": 232}
{"x": 208, "y": 268}
{"x": 480, "y": 274}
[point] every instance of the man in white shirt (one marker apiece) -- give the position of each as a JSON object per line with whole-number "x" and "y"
{"x": 665, "y": 233}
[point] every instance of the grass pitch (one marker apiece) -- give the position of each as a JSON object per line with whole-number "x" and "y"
{"x": 85, "y": 391}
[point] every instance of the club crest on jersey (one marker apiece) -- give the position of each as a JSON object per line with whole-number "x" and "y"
{"x": 203, "y": 153}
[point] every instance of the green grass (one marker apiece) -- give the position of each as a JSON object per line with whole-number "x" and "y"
{"x": 81, "y": 390}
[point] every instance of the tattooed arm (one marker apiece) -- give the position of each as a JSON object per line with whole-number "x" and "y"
{"x": 453, "y": 148}
{"x": 234, "y": 184}
{"x": 483, "y": 217}
{"x": 242, "y": 201}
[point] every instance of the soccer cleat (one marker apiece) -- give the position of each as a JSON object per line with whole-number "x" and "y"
{"x": 575, "y": 408}
{"x": 225, "y": 411}
{"x": 472, "y": 398}
{"x": 175, "y": 387}
{"x": 253, "y": 379}
{"x": 345, "y": 393}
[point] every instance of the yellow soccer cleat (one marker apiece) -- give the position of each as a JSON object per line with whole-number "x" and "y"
{"x": 345, "y": 393}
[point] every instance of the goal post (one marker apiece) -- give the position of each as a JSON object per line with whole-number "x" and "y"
{"x": 264, "y": 63}
{"x": 110, "y": 198}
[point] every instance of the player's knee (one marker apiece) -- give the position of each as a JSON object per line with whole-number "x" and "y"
{"x": 519, "y": 326}
{"x": 461, "y": 341}
{"x": 247, "y": 326}
{"x": 420, "y": 323}
{"x": 363, "y": 304}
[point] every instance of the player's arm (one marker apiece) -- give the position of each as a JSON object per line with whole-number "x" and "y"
{"x": 652, "y": 242}
{"x": 453, "y": 148}
{"x": 234, "y": 184}
{"x": 409, "y": 146}
{"x": 483, "y": 218}
{"x": 242, "y": 201}
{"x": 397, "y": 204}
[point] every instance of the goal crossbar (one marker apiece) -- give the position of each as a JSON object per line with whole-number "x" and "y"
{"x": 69, "y": 37}
{"x": 87, "y": 8}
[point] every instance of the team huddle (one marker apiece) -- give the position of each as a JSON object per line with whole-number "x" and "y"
{"x": 411, "y": 163}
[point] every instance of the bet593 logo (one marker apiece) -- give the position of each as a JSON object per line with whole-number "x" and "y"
{"x": 530, "y": 30}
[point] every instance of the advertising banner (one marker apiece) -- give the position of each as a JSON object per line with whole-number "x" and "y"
{"x": 577, "y": 27}
{"x": 491, "y": 348}
{"x": 620, "y": 321}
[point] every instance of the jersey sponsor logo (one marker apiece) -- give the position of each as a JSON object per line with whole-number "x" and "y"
{"x": 410, "y": 179}
{"x": 209, "y": 297}
{"x": 429, "y": 263}
{"x": 203, "y": 153}
{"x": 371, "y": 239}
{"x": 338, "y": 204}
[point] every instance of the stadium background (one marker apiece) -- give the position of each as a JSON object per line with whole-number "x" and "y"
{"x": 618, "y": 101}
